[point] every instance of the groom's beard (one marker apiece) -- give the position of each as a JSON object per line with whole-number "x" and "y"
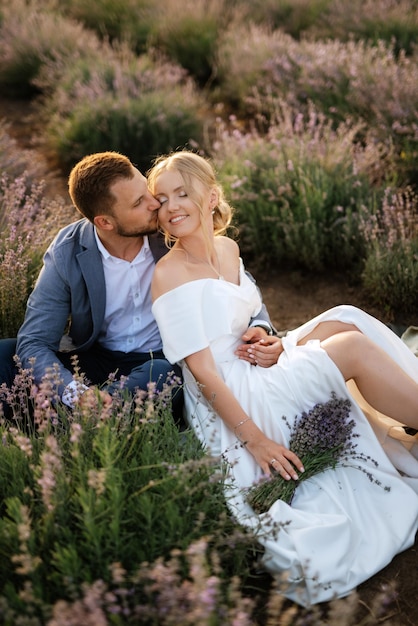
{"x": 146, "y": 229}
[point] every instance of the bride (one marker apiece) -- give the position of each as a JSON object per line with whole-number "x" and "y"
{"x": 344, "y": 524}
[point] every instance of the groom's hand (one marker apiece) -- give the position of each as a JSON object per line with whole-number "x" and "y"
{"x": 259, "y": 347}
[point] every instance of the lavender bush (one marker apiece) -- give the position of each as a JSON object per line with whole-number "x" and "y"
{"x": 371, "y": 20}
{"x": 125, "y": 103}
{"x": 257, "y": 68}
{"x": 293, "y": 17}
{"x": 130, "y": 21}
{"x": 99, "y": 495}
{"x": 390, "y": 275}
{"x": 32, "y": 33}
{"x": 300, "y": 189}
{"x": 190, "y": 37}
{"x": 28, "y": 222}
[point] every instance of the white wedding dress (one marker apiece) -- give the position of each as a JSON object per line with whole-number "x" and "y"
{"x": 344, "y": 524}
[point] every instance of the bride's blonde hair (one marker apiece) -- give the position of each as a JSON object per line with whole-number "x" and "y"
{"x": 192, "y": 167}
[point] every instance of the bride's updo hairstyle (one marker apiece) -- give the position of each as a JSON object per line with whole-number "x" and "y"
{"x": 194, "y": 168}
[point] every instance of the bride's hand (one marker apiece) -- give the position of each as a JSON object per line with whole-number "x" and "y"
{"x": 264, "y": 352}
{"x": 273, "y": 456}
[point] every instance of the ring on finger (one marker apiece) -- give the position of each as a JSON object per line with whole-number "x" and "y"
{"x": 272, "y": 462}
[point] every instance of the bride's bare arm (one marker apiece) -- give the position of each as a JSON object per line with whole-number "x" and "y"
{"x": 218, "y": 394}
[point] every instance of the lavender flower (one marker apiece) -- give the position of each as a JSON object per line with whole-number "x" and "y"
{"x": 321, "y": 438}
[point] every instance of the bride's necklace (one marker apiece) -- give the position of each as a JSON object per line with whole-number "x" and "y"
{"x": 204, "y": 262}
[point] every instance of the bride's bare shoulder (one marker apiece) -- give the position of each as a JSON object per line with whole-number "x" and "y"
{"x": 229, "y": 244}
{"x": 168, "y": 273}
{"x": 230, "y": 249}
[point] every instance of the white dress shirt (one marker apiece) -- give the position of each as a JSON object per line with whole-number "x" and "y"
{"x": 128, "y": 324}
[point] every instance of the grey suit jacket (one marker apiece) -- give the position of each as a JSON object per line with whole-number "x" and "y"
{"x": 70, "y": 294}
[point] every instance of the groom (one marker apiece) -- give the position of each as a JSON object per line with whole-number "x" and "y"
{"x": 95, "y": 284}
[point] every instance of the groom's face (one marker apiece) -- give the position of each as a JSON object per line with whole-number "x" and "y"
{"x": 135, "y": 209}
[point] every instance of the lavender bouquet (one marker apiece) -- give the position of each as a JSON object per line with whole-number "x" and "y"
{"x": 321, "y": 438}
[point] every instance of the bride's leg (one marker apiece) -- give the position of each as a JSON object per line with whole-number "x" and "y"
{"x": 382, "y": 382}
{"x": 326, "y": 329}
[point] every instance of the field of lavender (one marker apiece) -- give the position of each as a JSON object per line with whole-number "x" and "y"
{"x": 308, "y": 108}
